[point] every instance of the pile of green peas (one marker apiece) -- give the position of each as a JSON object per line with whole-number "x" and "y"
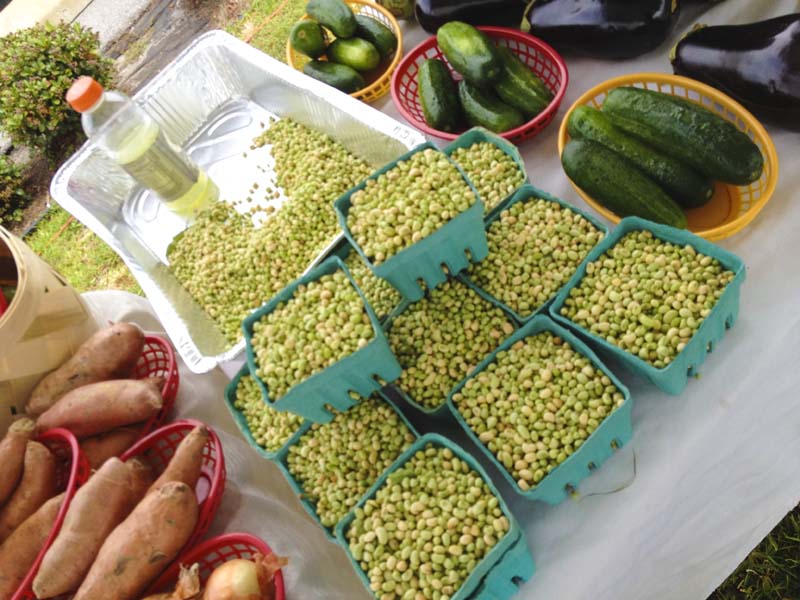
{"x": 439, "y": 339}
{"x": 535, "y": 404}
{"x": 493, "y": 172}
{"x": 323, "y": 322}
{"x": 380, "y": 294}
{"x": 647, "y": 296}
{"x": 270, "y": 428}
{"x": 337, "y": 462}
{"x": 427, "y": 528}
{"x": 407, "y": 204}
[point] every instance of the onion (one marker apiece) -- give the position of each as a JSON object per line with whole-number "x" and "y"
{"x": 188, "y": 587}
{"x": 242, "y": 579}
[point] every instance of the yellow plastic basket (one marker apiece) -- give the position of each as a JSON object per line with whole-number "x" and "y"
{"x": 732, "y": 207}
{"x": 379, "y": 81}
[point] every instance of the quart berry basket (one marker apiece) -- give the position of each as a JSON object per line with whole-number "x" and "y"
{"x": 447, "y": 246}
{"x": 545, "y": 62}
{"x": 158, "y": 448}
{"x": 282, "y": 460}
{"x": 525, "y": 194}
{"x": 500, "y": 573}
{"x": 613, "y": 432}
{"x": 672, "y": 378}
{"x": 378, "y": 80}
{"x": 72, "y": 471}
{"x": 213, "y": 553}
{"x": 158, "y": 360}
{"x": 732, "y": 207}
{"x": 478, "y": 135}
{"x": 359, "y": 372}
{"x": 239, "y": 418}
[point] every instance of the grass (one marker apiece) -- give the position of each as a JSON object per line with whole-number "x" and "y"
{"x": 79, "y": 255}
{"x": 266, "y": 24}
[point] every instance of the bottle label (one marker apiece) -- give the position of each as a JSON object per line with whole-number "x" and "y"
{"x": 163, "y": 168}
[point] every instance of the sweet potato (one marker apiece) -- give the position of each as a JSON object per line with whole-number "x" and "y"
{"x": 99, "y": 448}
{"x": 38, "y": 484}
{"x": 141, "y": 476}
{"x": 19, "y": 551}
{"x": 110, "y": 353}
{"x": 185, "y": 464}
{"x": 142, "y": 545}
{"x": 97, "y": 508}
{"x": 12, "y": 455}
{"x": 101, "y": 407}
{"x": 187, "y": 588}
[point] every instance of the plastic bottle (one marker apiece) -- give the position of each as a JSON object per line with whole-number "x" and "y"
{"x": 135, "y": 141}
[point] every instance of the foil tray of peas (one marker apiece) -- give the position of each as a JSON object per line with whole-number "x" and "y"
{"x": 214, "y": 99}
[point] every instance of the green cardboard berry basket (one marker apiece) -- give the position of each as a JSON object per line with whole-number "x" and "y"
{"x": 423, "y": 260}
{"x": 672, "y": 378}
{"x": 527, "y": 193}
{"x": 282, "y": 460}
{"x": 239, "y": 418}
{"x": 359, "y": 372}
{"x": 500, "y": 573}
{"x": 613, "y": 432}
{"x": 477, "y": 135}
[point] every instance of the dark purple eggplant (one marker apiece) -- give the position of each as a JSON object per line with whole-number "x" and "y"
{"x": 432, "y": 14}
{"x": 611, "y": 29}
{"x": 757, "y": 64}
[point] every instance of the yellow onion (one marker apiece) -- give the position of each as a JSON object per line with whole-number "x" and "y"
{"x": 242, "y": 579}
{"x": 188, "y": 587}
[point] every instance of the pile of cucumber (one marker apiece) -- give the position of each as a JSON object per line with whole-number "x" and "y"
{"x": 498, "y": 91}
{"x": 360, "y": 46}
{"x": 653, "y": 155}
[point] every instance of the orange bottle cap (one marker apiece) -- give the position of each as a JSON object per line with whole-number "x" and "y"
{"x": 84, "y": 93}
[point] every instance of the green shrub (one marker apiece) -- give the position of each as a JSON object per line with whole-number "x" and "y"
{"x": 13, "y": 197}
{"x": 37, "y": 66}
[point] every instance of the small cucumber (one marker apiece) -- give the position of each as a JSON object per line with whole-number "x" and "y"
{"x": 333, "y": 14}
{"x": 307, "y": 37}
{"x": 470, "y": 52}
{"x": 377, "y": 34}
{"x": 688, "y": 187}
{"x": 618, "y": 185}
{"x": 688, "y": 132}
{"x": 519, "y": 86}
{"x": 339, "y": 76}
{"x": 438, "y": 96}
{"x": 483, "y": 108}
{"x": 354, "y": 52}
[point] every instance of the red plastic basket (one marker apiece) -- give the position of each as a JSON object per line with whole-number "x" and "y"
{"x": 158, "y": 359}
{"x": 214, "y": 552}
{"x": 159, "y": 446}
{"x": 540, "y": 57}
{"x": 3, "y": 303}
{"x": 72, "y": 471}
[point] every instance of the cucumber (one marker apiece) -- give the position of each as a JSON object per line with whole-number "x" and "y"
{"x": 618, "y": 185}
{"x": 333, "y": 14}
{"x": 687, "y": 132}
{"x": 519, "y": 86}
{"x": 685, "y": 185}
{"x": 354, "y": 52}
{"x": 377, "y": 34}
{"x": 438, "y": 96}
{"x": 483, "y": 108}
{"x": 470, "y": 52}
{"x": 307, "y": 37}
{"x": 339, "y": 76}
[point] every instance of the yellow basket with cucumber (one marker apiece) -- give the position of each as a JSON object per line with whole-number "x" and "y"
{"x": 374, "y": 25}
{"x": 724, "y": 208}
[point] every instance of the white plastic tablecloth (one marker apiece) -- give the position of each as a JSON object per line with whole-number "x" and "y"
{"x": 707, "y": 474}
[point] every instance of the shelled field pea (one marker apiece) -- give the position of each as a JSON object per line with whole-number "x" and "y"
{"x": 270, "y": 428}
{"x": 493, "y": 172}
{"x": 647, "y": 296}
{"x": 534, "y": 248}
{"x": 535, "y": 404}
{"x": 439, "y": 339}
{"x": 230, "y": 267}
{"x": 406, "y": 204}
{"x": 324, "y": 321}
{"x": 380, "y": 294}
{"x": 337, "y": 462}
{"x": 426, "y": 528}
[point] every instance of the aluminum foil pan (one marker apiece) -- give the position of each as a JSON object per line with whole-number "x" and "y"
{"x": 213, "y": 99}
